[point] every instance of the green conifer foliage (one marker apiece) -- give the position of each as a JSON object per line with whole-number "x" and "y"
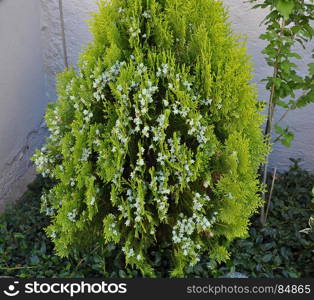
{"x": 156, "y": 139}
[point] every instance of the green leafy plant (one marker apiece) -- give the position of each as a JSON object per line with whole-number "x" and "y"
{"x": 281, "y": 248}
{"x": 288, "y": 23}
{"x": 26, "y": 251}
{"x": 155, "y": 141}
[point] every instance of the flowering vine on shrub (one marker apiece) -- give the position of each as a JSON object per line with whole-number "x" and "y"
{"x": 156, "y": 139}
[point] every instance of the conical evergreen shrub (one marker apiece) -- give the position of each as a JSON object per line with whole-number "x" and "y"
{"x": 155, "y": 139}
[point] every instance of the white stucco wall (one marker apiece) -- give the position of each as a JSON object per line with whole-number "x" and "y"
{"x": 31, "y": 53}
{"x": 22, "y": 96}
{"x": 247, "y": 21}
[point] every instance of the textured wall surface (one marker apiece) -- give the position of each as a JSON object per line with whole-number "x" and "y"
{"x": 32, "y": 53}
{"x": 246, "y": 21}
{"x": 22, "y": 96}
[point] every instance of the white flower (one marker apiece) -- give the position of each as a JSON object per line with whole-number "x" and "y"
{"x": 165, "y": 69}
{"x": 145, "y": 131}
{"x": 207, "y": 101}
{"x": 187, "y": 85}
{"x": 72, "y": 215}
{"x": 161, "y": 120}
{"x": 141, "y": 68}
{"x": 139, "y": 257}
{"x": 140, "y": 162}
{"x": 138, "y": 219}
{"x": 146, "y": 14}
{"x": 86, "y": 153}
{"x": 131, "y": 252}
{"x": 49, "y": 211}
{"x": 206, "y": 184}
{"x": 161, "y": 158}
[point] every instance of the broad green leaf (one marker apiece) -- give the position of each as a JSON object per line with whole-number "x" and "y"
{"x": 267, "y": 258}
{"x": 285, "y": 7}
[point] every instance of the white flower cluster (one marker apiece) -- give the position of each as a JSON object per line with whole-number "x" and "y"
{"x": 141, "y": 68}
{"x": 177, "y": 109}
{"x": 182, "y": 231}
{"x": 120, "y": 132}
{"x": 113, "y": 228}
{"x": 197, "y": 128}
{"x": 72, "y": 215}
{"x": 50, "y": 211}
{"x": 130, "y": 253}
{"x": 92, "y": 201}
{"x": 199, "y": 201}
{"x": 53, "y": 235}
{"x": 55, "y": 125}
{"x": 186, "y": 164}
{"x": 87, "y": 115}
{"x": 163, "y": 71}
{"x": 41, "y": 163}
{"x": 134, "y": 201}
{"x": 85, "y": 154}
{"x": 187, "y": 85}
{"x": 140, "y": 161}
{"x": 161, "y": 193}
{"x": 72, "y": 181}
{"x": 117, "y": 177}
{"x": 100, "y": 81}
{"x": 161, "y": 158}
{"x": 172, "y": 149}
{"x": 186, "y": 175}
{"x": 185, "y": 227}
{"x": 206, "y": 102}
{"x": 146, "y": 97}
{"x": 134, "y": 31}
{"x": 124, "y": 212}
{"x": 158, "y": 131}
{"x": 145, "y": 131}
{"x": 146, "y": 14}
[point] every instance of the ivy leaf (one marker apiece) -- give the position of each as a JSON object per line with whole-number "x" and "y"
{"x": 267, "y": 258}
{"x": 285, "y": 7}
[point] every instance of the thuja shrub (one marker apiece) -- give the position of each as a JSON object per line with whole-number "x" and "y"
{"x": 155, "y": 139}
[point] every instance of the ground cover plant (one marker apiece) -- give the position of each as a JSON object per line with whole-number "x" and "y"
{"x": 278, "y": 249}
